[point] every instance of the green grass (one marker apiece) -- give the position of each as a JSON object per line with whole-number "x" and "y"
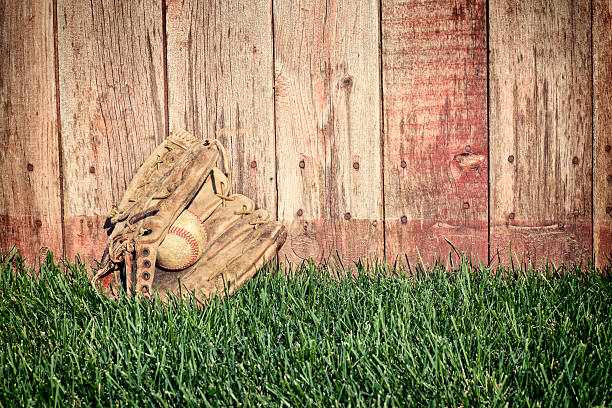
{"x": 312, "y": 336}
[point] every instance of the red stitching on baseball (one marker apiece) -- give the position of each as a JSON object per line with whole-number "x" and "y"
{"x": 197, "y": 216}
{"x": 201, "y": 223}
{"x": 195, "y": 248}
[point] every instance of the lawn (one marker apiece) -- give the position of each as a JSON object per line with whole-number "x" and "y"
{"x": 312, "y": 335}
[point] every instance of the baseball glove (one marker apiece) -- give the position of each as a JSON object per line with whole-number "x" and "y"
{"x": 177, "y": 230}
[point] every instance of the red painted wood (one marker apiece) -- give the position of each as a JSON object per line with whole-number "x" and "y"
{"x": 541, "y": 129}
{"x": 435, "y": 125}
{"x": 602, "y": 131}
{"x": 30, "y": 205}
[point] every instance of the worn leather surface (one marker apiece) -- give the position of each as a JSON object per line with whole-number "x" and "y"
{"x": 180, "y": 175}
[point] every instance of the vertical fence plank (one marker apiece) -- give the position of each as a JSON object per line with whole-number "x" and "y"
{"x": 112, "y": 107}
{"x": 220, "y": 85}
{"x": 602, "y": 130}
{"x": 541, "y": 124}
{"x": 328, "y": 127}
{"x": 435, "y": 113}
{"x": 30, "y": 204}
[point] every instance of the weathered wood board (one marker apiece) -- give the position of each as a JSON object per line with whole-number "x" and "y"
{"x": 435, "y": 125}
{"x": 602, "y": 131}
{"x": 328, "y": 128}
{"x": 220, "y": 85}
{"x": 540, "y": 129}
{"x": 30, "y": 203}
{"x": 112, "y": 108}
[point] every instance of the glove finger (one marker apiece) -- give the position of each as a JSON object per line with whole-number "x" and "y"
{"x": 235, "y": 265}
{"x": 153, "y": 169}
{"x": 245, "y": 263}
{"x": 224, "y": 217}
{"x": 237, "y": 233}
{"x": 206, "y": 200}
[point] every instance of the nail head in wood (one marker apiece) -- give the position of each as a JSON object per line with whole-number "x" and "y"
{"x": 347, "y": 81}
{"x": 468, "y": 148}
{"x": 146, "y": 276}
{"x": 300, "y": 212}
{"x": 575, "y": 160}
{"x": 30, "y": 167}
{"x": 609, "y": 178}
{"x": 347, "y": 216}
{"x": 145, "y": 289}
{"x": 466, "y": 205}
{"x": 511, "y": 216}
{"x": 404, "y": 219}
{"x": 145, "y": 252}
{"x": 302, "y": 164}
{"x": 608, "y": 148}
{"x": 560, "y": 225}
{"x": 511, "y": 158}
{"x": 92, "y": 169}
{"x": 146, "y": 263}
{"x": 356, "y": 165}
{"x": 38, "y": 223}
{"x": 253, "y": 164}
{"x": 403, "y": 164}
{"x": 609, "y": 209}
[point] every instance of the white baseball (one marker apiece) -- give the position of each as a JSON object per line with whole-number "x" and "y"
{"x": 184, "y": 243}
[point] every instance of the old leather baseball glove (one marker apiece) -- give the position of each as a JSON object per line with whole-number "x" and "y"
{"x": 178, "y": 230}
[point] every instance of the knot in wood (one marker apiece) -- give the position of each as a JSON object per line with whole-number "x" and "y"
{"x": 347, "y": 81}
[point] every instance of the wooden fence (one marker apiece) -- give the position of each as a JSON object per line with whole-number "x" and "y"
{"x": 370, "y": 127}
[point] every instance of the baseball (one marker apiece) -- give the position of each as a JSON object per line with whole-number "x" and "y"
{"x": 184, "y": 243}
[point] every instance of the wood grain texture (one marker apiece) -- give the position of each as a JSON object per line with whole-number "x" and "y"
{"x": 540, "y": 129}
{"x": 435, "y": 115}
{"x": 112, "y": 107}
{"x": 220, "y": 85}
{"x": 30, "y": 203}
{"x": 328, "y": 119}
{"x": 602, "y": 130}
